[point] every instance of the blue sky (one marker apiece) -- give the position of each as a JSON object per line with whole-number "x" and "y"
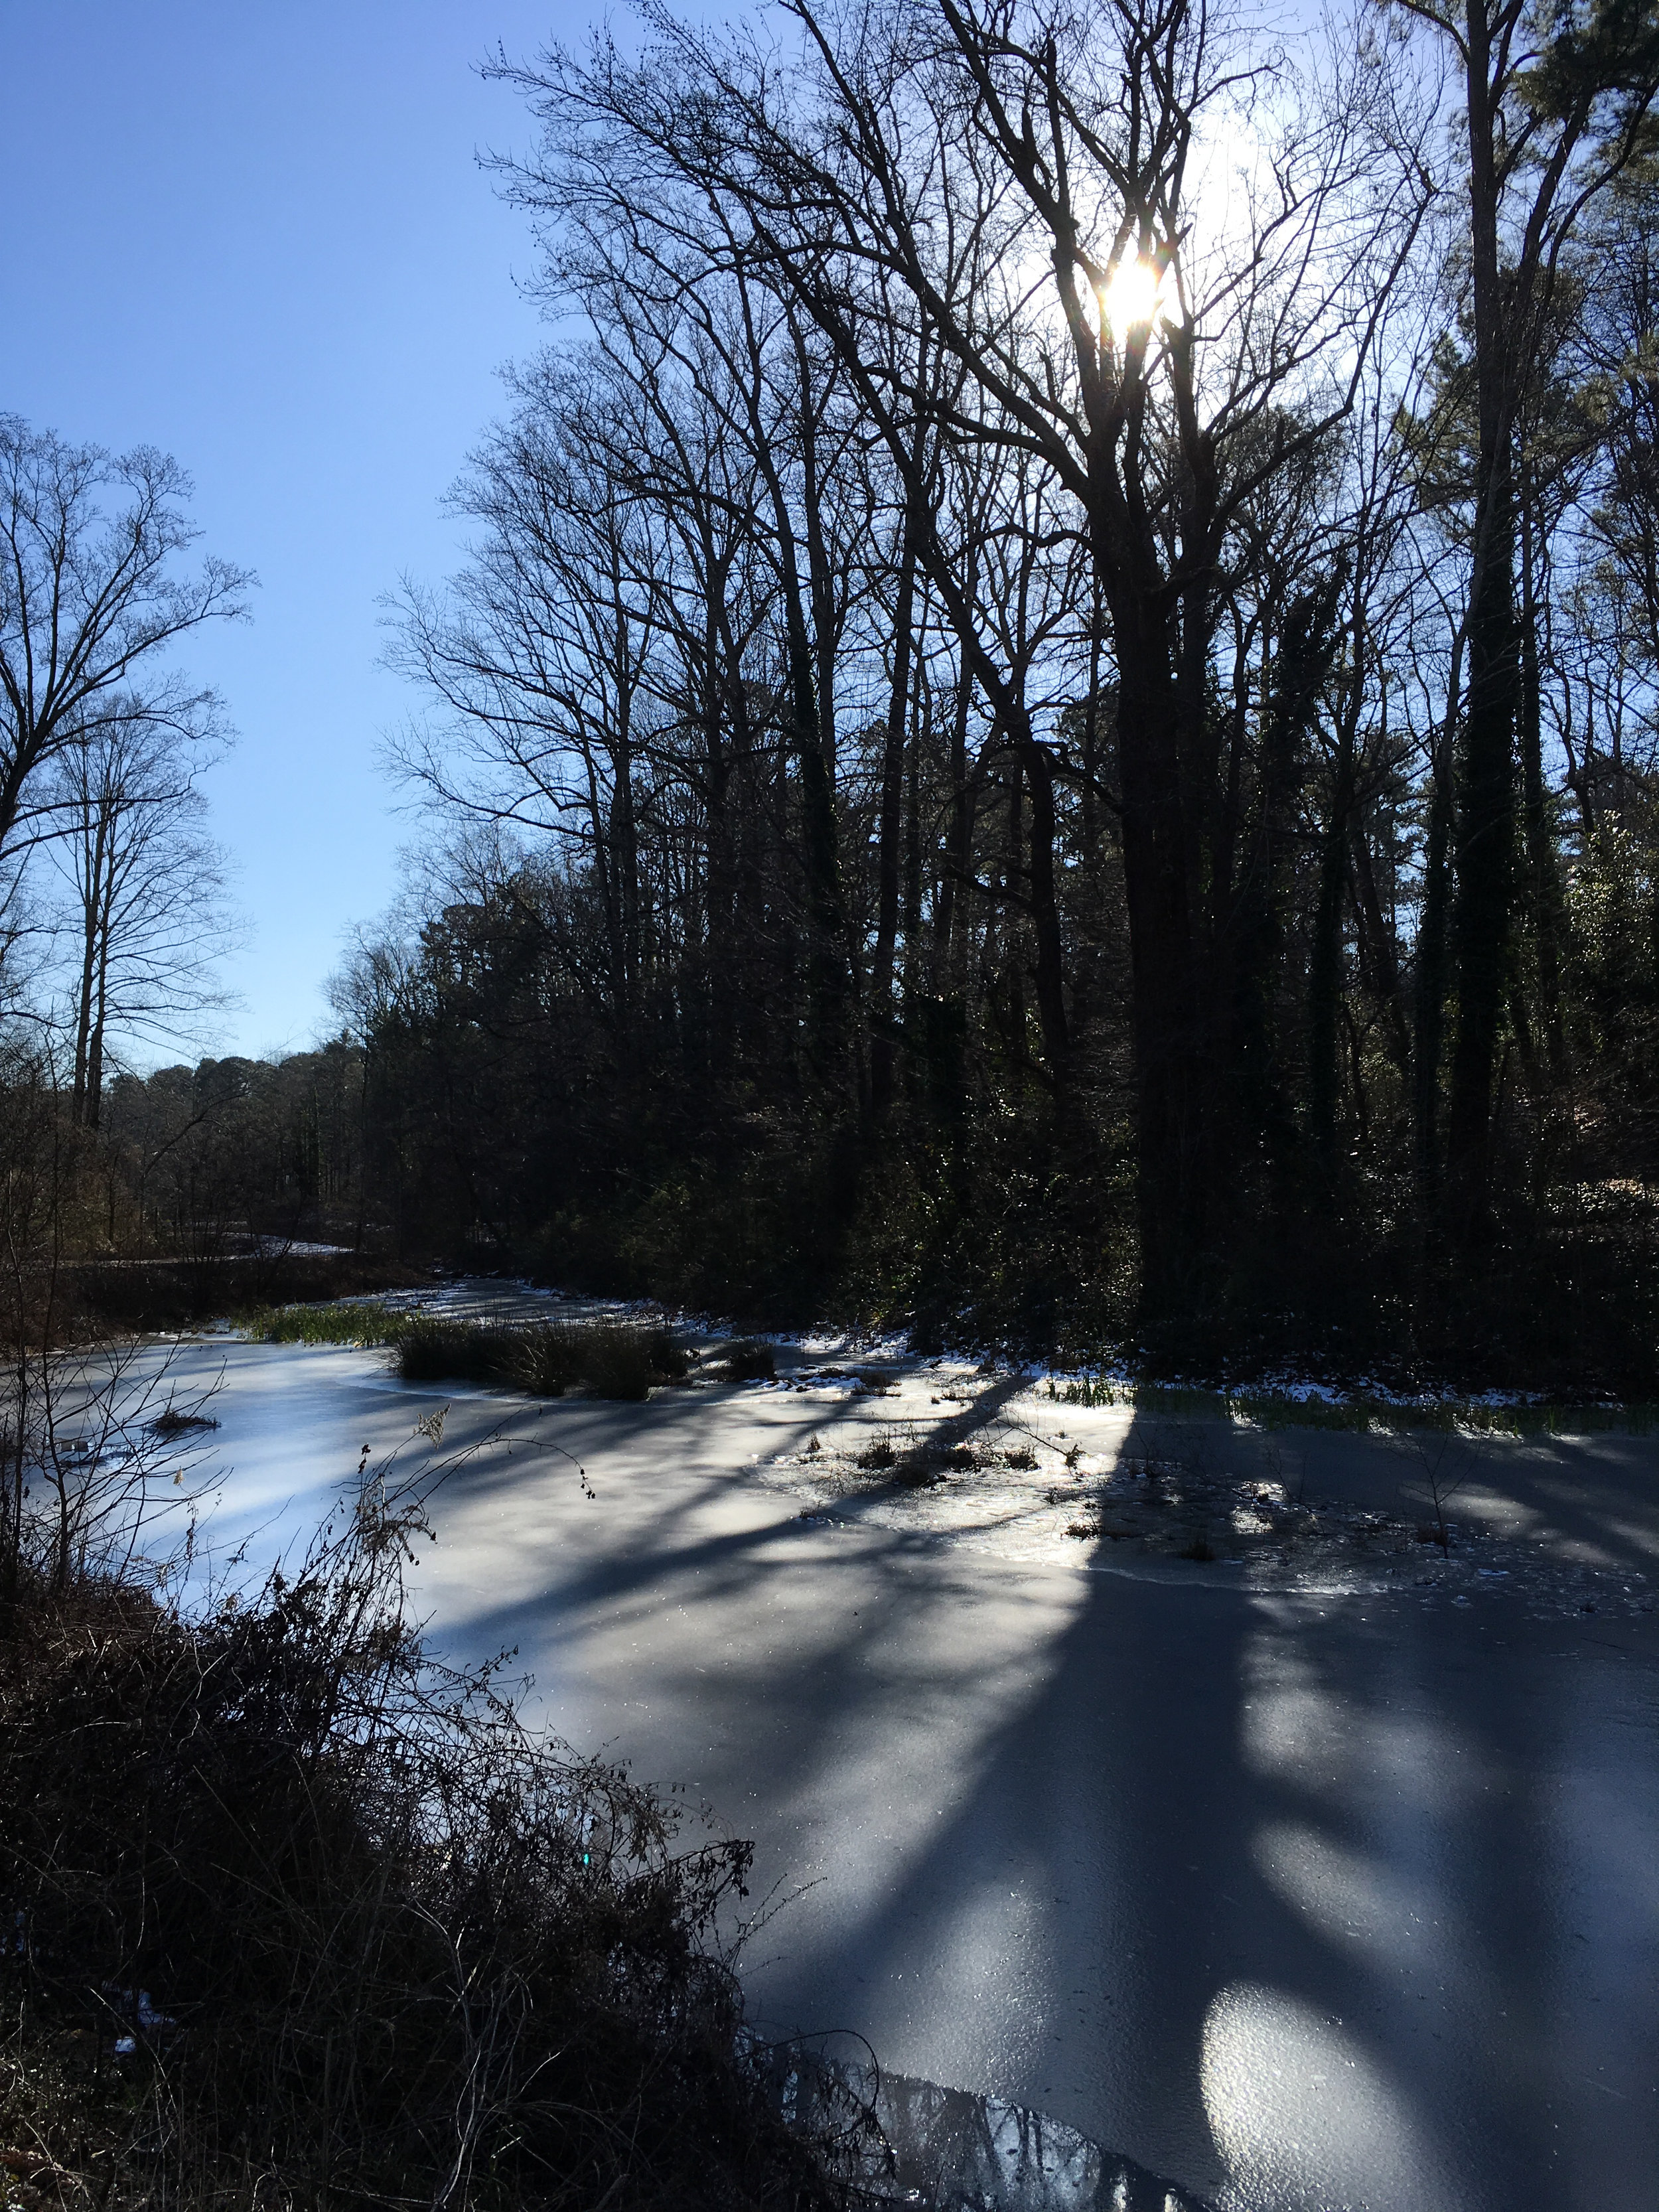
{"x": 253, "y": 233}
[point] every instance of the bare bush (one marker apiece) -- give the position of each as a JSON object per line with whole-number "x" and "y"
{"x": 303, "y": 1918}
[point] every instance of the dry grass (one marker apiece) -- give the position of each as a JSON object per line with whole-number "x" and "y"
{"x": 612, "y": 1359}
{"x": 745, "y": 1359}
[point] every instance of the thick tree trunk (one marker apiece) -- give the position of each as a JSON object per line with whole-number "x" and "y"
{"x": 1484, "y": 813}
{"x": 1485, "y": 844}
{"x": 1174, "y": 1072}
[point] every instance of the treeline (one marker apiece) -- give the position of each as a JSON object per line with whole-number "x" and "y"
{"x": 239, "y": 1148}
{"x": 202, "y": 1191}
{"x": 1049, "y": 721}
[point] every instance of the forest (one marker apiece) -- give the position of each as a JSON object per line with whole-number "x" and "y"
{"x": 1047, "y": 734}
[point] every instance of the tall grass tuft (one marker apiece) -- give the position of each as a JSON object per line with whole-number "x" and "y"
{"x": 612, "y": 1359}
{"x": 747, "y": 1359}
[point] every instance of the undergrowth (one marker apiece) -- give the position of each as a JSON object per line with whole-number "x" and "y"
{"x": 296, "y": 1918}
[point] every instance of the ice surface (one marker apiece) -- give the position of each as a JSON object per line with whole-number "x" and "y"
{"x": 1321, "y": 1878}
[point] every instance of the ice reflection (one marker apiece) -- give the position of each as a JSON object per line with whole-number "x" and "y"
{"x": 952, "y": 2152}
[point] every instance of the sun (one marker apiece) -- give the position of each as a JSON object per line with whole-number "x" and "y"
{"x": 1133, "y": 294}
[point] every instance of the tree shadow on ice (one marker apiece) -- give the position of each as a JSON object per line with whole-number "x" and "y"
{"x": 1285, "y": 1896}
{"x": 1281, "y": 1900}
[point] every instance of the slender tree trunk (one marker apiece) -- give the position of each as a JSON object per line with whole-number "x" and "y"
{"x": 1045, "y": 912}
{"x": 1325, "y": 968}
{"x": 959, "y": 836}
{"x": 92, "y": 832}
{"x": 813, "y": 743}
{"x": 1381, "y": 951}
{"x": 890, "y": 827}
{"x": 1302, "y": 642}
{"x": 1485, "y": 849}
{"x": 1545, "y": 884}
{"x": 1035, "y": 766}
{"x": 1086, "y": 963}
{"x": 1433, "y": 965}
{"x": 94, "y": 1108}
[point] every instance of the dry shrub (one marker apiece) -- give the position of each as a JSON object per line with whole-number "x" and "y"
{"x": 619, "y": 1361}
{"x": 612, "y": 1359}
{"x": 370, "y": 1942}
{"x": 746, "y": 1359}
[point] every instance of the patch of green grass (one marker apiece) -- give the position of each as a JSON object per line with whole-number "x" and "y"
{"x": 1274, "y": 1409}
{"x": 343, "y": 1320}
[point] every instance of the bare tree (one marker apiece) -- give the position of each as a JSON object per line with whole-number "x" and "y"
{"x": 1162, "y": 345}
{"x": 149, "y": 915}
{"x": 89, "y": 599}
{"x": 1556, "y": 108}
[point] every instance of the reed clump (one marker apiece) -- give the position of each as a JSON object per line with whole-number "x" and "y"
{"x": 339, "y": 1321}
{"x": 611, "y": 1360}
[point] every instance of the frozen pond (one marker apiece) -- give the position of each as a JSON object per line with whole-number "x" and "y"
{"x": 1318, "y": 1873}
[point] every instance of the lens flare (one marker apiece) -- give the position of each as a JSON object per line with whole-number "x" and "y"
{"x": 1133, "y": 294}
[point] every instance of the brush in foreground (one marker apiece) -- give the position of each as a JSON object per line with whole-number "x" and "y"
{"x": 296, "y": 1919}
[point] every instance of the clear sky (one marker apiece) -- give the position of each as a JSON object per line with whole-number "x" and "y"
{"x": 253, "y": 233}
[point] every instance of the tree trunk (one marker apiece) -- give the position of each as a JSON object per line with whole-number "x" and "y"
{"x": 1433, "y": 948}
{"x": 1325, "y": 969}
{"x": 1545, "y": 881}
{"x": 1484, "y": 833}
{"x": 1484, "y": 846}
{"x": 889, "y": 829}
{"x": 1175, "y": 1075}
